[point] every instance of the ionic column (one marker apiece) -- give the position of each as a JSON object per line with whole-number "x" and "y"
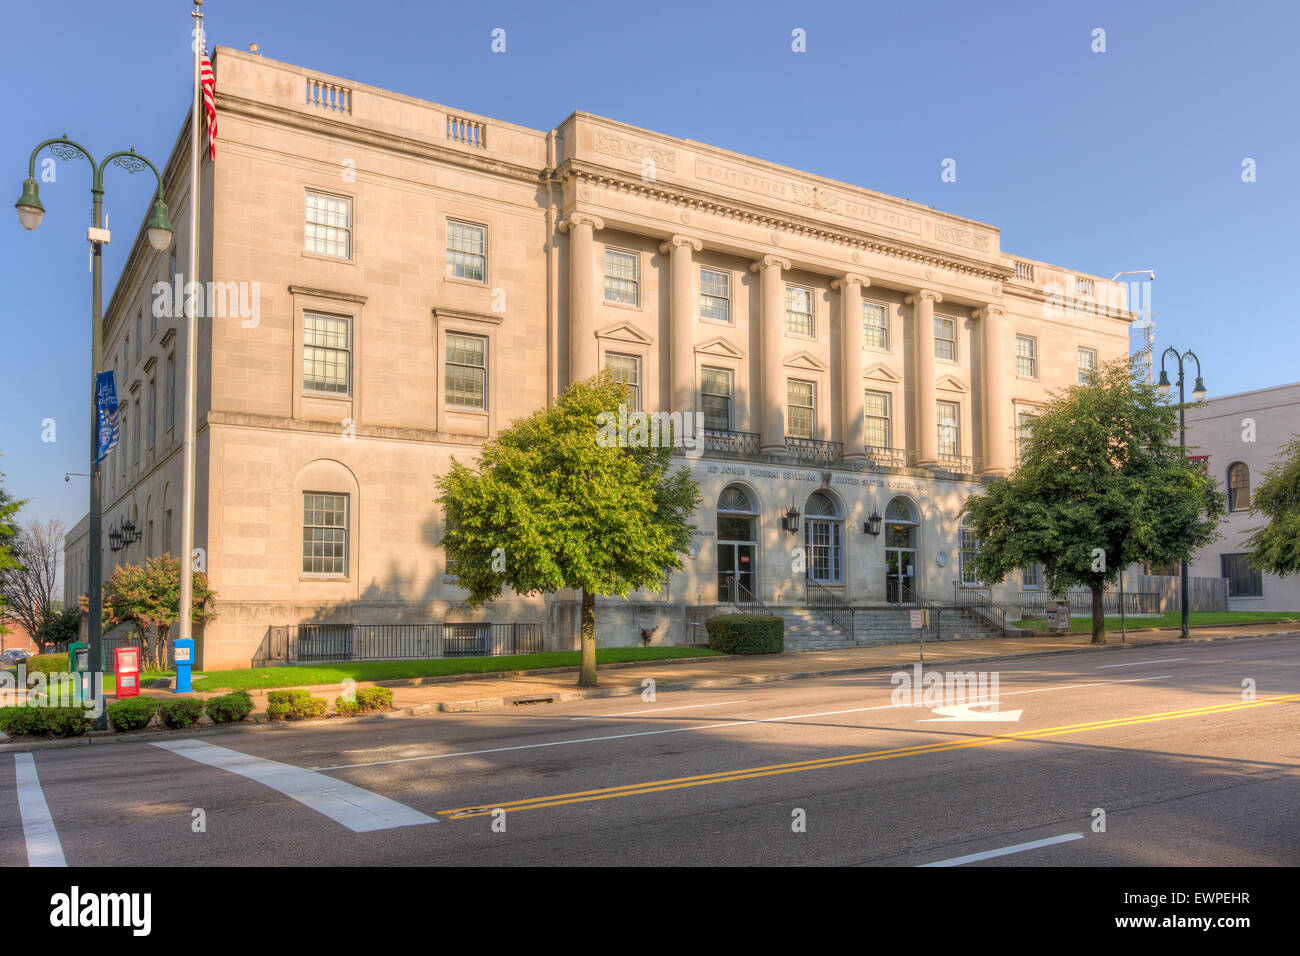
{"x": 927, "y": 425}
{"x": 772, "y": 342}
{"x": 584, "y": 357}
{"x": 854, "y": 430}
{"x": 681, "y": 334}
{"x": 997, "y": 435}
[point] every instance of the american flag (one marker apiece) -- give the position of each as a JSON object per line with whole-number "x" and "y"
{"x": 209, "y": 82}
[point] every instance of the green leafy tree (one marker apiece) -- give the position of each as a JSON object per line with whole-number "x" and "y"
{"x": 1276, "y": 546}
{"x": 9, "y": 530}
{"x": 1101, "y": 484}
{"x": 147, "y": 596}
{"x": 555, "y": 504}
{"x": 59, "y": 627}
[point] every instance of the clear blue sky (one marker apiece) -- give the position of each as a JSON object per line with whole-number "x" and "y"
{"x": 1096, "y": 161}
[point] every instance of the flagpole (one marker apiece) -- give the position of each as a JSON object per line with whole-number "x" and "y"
{"x": 191, "y": 331}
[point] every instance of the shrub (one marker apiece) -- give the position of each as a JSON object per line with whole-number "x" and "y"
{"x": 47, "y": 664}
{"x": 369, "y": 700}
{"x": 746, "y": 633}
{"x": 229, "y": 708}
{"x": 132, "y": 713}
{"x": 22, "y": 720}
{"x": 181, "y": 712}
{"x": 65, "y": 721}
{"x": 294, "y": 705}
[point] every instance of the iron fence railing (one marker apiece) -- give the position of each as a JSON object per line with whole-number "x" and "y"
{"x": 829, "y": 605}
{"x": 978, "y": 603}
{"x": 960, "y": 464}
{"x": 306, "y": 643}
{"x": 890, "y": 458}
{"x": 1135, "y": 602}
{"x": 717, "y": 441}
{"x": 812, "y": 449}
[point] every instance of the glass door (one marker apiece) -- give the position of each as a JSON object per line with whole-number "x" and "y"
{"x": 735, "y": 566}
{"x": 900, "y": 563}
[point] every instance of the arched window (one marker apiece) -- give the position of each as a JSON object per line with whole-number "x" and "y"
{"x": 900, "y": 510}
{"x": 1238, "y": 487}
{"x": 823, "y": 537}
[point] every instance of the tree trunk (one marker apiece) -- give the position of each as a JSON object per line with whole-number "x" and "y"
{"x": 160, "y": 646}
{"x": 587, "y": 665}
{"x": 1098, "y": 617}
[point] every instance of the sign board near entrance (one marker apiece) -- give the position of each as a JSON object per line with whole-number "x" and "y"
{"x": 918, "y": 618}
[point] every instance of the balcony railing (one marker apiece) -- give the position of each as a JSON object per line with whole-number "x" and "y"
{"x": 1025, "y": 270}
{"x": 467, "y": 132}
{"x": 960, "y": 464}
{"x": 891, "y": 457}
{"x": 731, "y": 443}
{"x": 810, "y": 449}
{"x": 329, "y": 96}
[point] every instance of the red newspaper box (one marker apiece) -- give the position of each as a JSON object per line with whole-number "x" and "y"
{"x": 127, "y": 671}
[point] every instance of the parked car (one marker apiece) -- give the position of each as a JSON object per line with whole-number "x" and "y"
{"x": 15, "y": 655}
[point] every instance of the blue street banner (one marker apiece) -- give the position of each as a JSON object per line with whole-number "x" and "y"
{"x": 106, "y": 405}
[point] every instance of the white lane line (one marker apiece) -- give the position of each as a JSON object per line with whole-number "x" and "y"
{"x": 657, "y": 710}
{"x": 730, "y": 723}
{"x": 359, "y": 810}
{"x": 1018, "y": 848}
{"x": 1163, "y": 660}
{"x": 43, "y": 846}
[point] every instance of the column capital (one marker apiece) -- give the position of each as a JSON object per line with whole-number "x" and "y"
{"x": 767, "y": 262}
{"x": 923, "y": 294}
{"x": 581, "y": 219}
{"x": 679, "y": 240}
{"x": 850, "y": 278}
{"x": 991, "y": 310}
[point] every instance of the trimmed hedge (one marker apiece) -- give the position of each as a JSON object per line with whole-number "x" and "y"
{"x": 746, "y": 633}
{"x": 229, "y": 708}
{"x": 132, "y": 713}
{"x": 47, "y": 664}
{"x": 44, "y": 721}
{"x": 294, "y": 705}
{"x": 369, "y": 700}
{"x": 180, "y": 712}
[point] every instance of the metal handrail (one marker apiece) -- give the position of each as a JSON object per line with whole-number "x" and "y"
{"x": 828, "y": 604}
{"x": 812, "y": 449}
{"x": 981, "y": 605}
{"x": 744, "y": 600}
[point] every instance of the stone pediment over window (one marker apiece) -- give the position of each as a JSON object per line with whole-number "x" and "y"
{"x": 625, "y": 332}
{"x": 882, "y": 373}
{"x": 721, "y": 348}
{"x": 805, "y": 362}
{"x": 949, "y": 384}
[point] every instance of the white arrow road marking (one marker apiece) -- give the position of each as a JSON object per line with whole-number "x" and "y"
{"x": 1163, "y": 660}
{"x": 968, "y": 712}
{"x": 43, "y": 846}
{"x": 1004, "y": 851}
{"x": 359, "y": 810}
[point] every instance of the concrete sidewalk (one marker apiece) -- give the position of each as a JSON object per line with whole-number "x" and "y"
{"x": 488, "y": 693}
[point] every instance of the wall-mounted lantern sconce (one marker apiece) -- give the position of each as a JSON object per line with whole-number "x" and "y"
{"x": 790, "y": 520}
{"x": 872, "y": 525}
{"x": 115, "y": 540}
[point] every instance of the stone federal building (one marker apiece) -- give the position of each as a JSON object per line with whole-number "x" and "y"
{"x": 395, "y": 281}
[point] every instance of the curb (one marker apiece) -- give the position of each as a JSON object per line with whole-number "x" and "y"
{"x": 500, "y": 703}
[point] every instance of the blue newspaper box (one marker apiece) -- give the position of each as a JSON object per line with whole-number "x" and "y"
{"x": 183, "y": 654}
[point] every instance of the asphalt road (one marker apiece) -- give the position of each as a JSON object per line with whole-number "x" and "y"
{"x": 826, "y": 771}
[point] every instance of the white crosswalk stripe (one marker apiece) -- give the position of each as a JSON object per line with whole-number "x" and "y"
{"x": 43, "y": 846}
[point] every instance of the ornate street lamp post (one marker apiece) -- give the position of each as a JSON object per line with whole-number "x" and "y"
{"x": 30, "y": 213}
{"x": 1198, "y": 393}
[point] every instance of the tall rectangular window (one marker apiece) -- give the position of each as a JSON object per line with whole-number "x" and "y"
{"x": 968, "y": 546}
{"x": 1243, "y": 580}
{"x": 801, "y": 409}
{"x": 167, "y": 531}
{"x": 326, "y": 353}
{"x": 324, "y": 534}
{"x": 1032, "y": 576}
{"x": 946, "y": 413}
{"x": 135, "y": 434}
{"x": 466, "y": 251}
{"x": 153, "y": 410}
{"x": 1087, "y": 365}
{"x": 1026, "y": 356}
{"x": 876, "y": 424}
{"x": 626, "y": 369}
{"x": 622, "y": 277}
{"x": 875, "y": 326}
{"x": 945, "y": 338}
{"x": 171, "y": 391}
{"x": 328, "y": 230}
{"x": 1024, "y": 428}
{"x": 798, "y": 310}
{"x": 715, "y": 398}
{"x": 715, "y": 295}
{"x": 466, "y": 371}
{"x": 139, "y": 332}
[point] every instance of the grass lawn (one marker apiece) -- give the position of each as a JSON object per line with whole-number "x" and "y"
{"x": 270, "y": 677}
{"x": 1083, "y": 625}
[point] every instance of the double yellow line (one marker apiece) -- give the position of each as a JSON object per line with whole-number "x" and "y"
{"x": 826, "y": 763}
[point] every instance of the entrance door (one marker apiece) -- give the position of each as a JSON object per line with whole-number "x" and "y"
{"x": 900, "y": 563}
{"x": 735, "y": 564}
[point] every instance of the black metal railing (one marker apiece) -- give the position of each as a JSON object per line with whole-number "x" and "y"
{"x": 960, "y": 464}
{"x": 743, "y": 600}
{"x": 829, "y": 605}
{"x": 890, "y": 457}
{"x": 811, "y": 449}
{"x": 978, "y": 603}
{"x": 1135, "y": 602}
{"x": 717, "y": 441}
{"x": 306, "y": 643}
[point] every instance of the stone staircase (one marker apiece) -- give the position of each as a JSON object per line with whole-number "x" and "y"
{"x": 808, "y": 630}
